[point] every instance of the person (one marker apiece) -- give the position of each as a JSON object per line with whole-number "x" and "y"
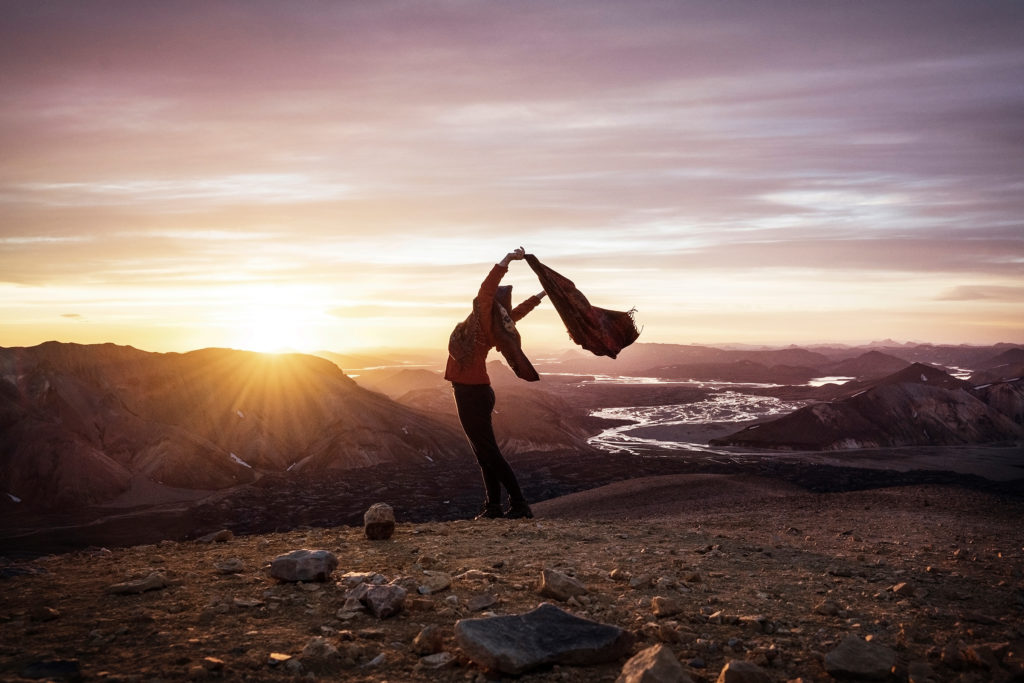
{"x": 490, "y": 325}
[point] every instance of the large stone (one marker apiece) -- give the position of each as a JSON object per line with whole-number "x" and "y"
{"x": 379, "y": 522}
{"x": 303, "y": 565}
{"x": 740, "y": 671}
{"x": 547, "y": 635}
{"x": 654, "y": 665}
{"x": 860, "y": 659}
{"x": 555, "y": 584}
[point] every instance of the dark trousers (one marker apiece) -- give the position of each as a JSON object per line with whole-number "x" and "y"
{"x": 475, "y": 403}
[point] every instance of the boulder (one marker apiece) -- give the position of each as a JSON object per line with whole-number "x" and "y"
{"x": 546, "y": 635}
{"x": 654, "y": 665}
{"x": 303, "y": 565}
{"x": 379, "y": 522}
{"x": 857, "y": 658}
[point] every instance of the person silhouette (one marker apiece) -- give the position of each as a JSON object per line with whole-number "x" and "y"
{"x": 491, "y": 324}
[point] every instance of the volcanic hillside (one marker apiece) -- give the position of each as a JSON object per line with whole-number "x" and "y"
{"x": 919, "y": 405}
{"x": 79, "y": 424}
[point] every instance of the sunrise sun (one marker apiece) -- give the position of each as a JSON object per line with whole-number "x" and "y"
{"x": 274, "y": 320}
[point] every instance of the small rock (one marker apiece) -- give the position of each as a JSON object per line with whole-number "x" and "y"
{"x": 276, "y": 658}
{"x": 827, "y": 608}
{"x": 222, "y": 536}
{"x": 320, "y": 656}
{"x": 303, "y": 565}
{"x": 546, "y": 635}
{"x": 555, "y": 584}
{"x": 858, "y": 658}
{"x": 480, "y": 602}
{"x": 154, "y": 581}
{"x": 740, "y": 671}
{"x": 353, "y": 579}
{"x": 246, "y": 602}
{"x": 429, "y": 641}
{"x": 434, "y": 582}
{"x": 379, "y": 522}
{"x": 654, "y": 665}
{"x": 384, "y": 601}
{"x": 665, "y": 607}
{"x": 438, "y": 660}
{"x": 213, "y": 664}
{"x": 231, "y": 566}
{"x": 904, "y": 588}
{"x": 641, "y": 581}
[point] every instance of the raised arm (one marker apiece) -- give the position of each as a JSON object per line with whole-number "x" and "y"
{"x": 520, "y": 311}
{"x": 516, "y": 255}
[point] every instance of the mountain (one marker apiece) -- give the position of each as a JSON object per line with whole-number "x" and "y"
{"x": 79, "y": 424}
{"x": 642, "y": 358}
{"x": 736, "y": 371}
{"x": 395, "y": 383}
{"x": 919, "y": 405}
{"x": 868, "y": 365}
{"x": 1006, "y": 365}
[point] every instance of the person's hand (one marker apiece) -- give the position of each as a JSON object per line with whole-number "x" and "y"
{"x": 516, "y": 255}
{"x": 541, "y": 295}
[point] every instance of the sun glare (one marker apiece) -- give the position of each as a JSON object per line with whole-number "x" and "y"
{"x": 273, "y": 333}
{"x": 274, "y": 320}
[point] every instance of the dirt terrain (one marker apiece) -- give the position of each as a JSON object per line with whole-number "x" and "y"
{"x": 759, "y": 569}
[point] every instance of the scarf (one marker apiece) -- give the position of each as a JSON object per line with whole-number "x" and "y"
{"x": 598, "y": 330}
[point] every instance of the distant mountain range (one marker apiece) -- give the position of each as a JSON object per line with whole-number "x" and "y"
{"x": 92, "y": 424}
{"x": 80, "y": 424}
{"x": 918, "y": 405}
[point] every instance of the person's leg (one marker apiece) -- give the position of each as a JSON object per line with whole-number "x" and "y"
{"x": 475, "y": 402}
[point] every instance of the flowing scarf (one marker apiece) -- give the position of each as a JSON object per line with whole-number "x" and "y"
{"x": 601, "y": 331}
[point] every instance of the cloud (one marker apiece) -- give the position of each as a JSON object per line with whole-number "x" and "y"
{"x": 983, "y": 293}
{"x": 371, "y": 150}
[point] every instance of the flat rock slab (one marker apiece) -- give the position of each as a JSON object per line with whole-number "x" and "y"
{"x": 547, "y": 635}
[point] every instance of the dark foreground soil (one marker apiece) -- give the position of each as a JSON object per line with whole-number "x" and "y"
{"x": 763, "y": 568}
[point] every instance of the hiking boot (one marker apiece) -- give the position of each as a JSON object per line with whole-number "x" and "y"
{"x": 518, "y": 510}
{"x": 491, "y": 511}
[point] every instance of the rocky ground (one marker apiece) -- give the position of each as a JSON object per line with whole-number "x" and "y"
{"x": 716, "y": 567}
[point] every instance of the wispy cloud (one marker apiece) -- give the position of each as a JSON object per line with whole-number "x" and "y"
{"x": 370, "y": 150}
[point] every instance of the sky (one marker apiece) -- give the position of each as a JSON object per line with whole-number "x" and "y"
{"x": 342, "y": 175}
